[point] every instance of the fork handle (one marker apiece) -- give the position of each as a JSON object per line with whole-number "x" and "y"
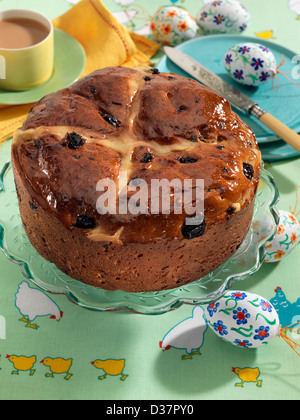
{"x": 283, "y": 131}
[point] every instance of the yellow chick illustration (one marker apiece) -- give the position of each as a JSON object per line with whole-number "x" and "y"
{"x": 111, "y": 367}
{"x": 22, "y": 363}
{"x": 247, "y": 375}
{"x": 266, "y": 34}
{"x": 58, "y": 366}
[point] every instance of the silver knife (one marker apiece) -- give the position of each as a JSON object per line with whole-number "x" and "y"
{"x": 233, "y": 95}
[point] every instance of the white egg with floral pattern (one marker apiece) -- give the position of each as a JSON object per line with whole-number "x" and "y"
{"x": 223, "y": 17}
{"x": 173, "y": 25}
{"x": 243, "y": 319}
{"x": 250, "y": 64}
{"x": 286, "y": 238}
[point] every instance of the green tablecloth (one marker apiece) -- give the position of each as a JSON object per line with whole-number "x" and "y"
{"x": 85, "y": 336}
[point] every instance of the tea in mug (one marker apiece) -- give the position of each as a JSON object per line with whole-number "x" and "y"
{"x": 17, "y": 33}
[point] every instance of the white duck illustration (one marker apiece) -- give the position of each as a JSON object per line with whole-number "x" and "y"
{"x": 121, "y": 2}
{"x": 144, "y": 30}
{"x": 125, "y": 16}
{"x": 294, "y": 5}
{"x": 33, "y": 303}
{"x": 188, "y": 334}
{"x": 73, "y": 1}
{"x": 124, "y": 2}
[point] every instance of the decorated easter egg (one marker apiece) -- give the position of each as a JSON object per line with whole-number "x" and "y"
{"x": 286, "y": 238}
{"x": 263, "y": 227}
{"x": 250, "y": 64}
{"x": 173, "y": 25}
{"x": 244, "y": 319}
{"x": 223, "y": 17}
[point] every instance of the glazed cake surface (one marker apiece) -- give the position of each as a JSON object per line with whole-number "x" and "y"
{"x": 153, "y": 126}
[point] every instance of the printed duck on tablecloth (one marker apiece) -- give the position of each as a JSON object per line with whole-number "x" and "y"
{"x": 33, "y": 303}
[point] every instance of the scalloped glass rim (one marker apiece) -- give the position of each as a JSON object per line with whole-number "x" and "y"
{"x": 243, "y": 264}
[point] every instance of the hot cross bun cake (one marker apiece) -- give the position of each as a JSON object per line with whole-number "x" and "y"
{"x": 153, "y": 126}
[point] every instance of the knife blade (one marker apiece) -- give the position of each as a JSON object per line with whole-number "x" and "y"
{"x": 239, "y": 100}
{"x": 210, "y": 79}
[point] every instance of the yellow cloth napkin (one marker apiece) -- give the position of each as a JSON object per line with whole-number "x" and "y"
{"x": 106, "y": 42}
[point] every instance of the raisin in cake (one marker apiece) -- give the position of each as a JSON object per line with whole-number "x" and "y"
{"x": 153, "y": 126}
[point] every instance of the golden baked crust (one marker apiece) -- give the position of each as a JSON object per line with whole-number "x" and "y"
{"x": 152, "y": 125}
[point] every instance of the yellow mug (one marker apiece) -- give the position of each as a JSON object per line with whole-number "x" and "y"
{"x": 26, "y": 68}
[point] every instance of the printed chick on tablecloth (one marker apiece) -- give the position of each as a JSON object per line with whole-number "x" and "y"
{"x": 247, "y": 375}
{"x": 110, "y": 367}
{"x": 58, "y": 366}
{"x": 22, "y": 364}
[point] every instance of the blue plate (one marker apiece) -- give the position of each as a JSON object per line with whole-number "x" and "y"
{"x": 277, "y": 150}
{"x": 283, "y": 104}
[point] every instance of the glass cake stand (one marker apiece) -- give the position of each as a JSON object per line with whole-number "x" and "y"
{"x": 244, "y": 263}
